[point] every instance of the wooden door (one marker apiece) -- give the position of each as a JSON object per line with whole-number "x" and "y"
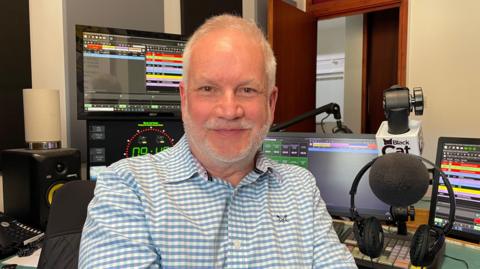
{"x": 292, "y": 35}
{"x": 381, "y": 30}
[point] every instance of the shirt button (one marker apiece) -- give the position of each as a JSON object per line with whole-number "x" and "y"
{"x": 237, "y": 244}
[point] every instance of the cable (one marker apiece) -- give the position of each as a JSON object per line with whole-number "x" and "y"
{"x": 457, "y": 259}
{"x": 28, "y": 249}
{"x": 322, "y": 124}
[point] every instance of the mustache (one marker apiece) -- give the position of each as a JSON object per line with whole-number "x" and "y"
{"x": 228, "y": 124}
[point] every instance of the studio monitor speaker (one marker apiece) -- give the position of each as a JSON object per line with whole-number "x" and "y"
{"x": 30, "y": 179}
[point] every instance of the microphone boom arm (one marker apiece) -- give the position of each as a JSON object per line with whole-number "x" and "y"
{"x": 331, "y": 108}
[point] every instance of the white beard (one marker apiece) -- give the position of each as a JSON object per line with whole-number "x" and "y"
{"x": 245, "y": 155}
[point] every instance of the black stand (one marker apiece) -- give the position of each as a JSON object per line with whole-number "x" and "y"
{"x": 400, "y": 217}
{"x": 331, "y": 108}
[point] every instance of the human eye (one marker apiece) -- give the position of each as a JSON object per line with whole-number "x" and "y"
{"x": 205, "y": 89}
{"x": 248, "y": 91}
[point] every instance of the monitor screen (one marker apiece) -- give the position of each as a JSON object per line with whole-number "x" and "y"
{"x": 459, "y": 159}
{"x": 127, "y": 72}
{"x": 334, "y": 160}
{"x": 109, "y": 140}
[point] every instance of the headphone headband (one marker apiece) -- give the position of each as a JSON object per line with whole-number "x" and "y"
{"x": 353, "y": 190}
{"x": 451, "y": 217}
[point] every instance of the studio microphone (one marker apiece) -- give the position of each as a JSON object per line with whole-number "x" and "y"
{"x": 399, "y": 179}
{"x": 398, "y": 133}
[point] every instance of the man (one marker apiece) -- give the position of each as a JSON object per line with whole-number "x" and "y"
{"x": 213, "y": 200}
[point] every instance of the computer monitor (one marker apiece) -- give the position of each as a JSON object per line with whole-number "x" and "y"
{"x": 459, "y": 159}
{"x": 111, "y": 140}
{"x": 334, "y": 160}
{"x": 127, "y": 72}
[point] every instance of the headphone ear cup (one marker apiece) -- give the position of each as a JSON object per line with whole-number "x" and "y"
{"x": 419, "y": 245}
{"x": 369, "y": 235}
{"x": 426, "y": 243}
{"x": 359, "y": 234}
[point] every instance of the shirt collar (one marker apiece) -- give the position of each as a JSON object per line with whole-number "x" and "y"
{"x": 183, "y": 165}
{"x": 178, "y": 163}
{"x": 264, "y": 166}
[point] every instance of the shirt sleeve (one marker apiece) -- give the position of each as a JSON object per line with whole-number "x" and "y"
{"x": 328, "y": 251}
{"x": 115, "y": 234}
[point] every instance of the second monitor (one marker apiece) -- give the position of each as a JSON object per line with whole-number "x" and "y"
{"x": 334, "y": 160}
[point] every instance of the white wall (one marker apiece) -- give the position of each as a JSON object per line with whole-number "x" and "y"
{"x": 444, "y": 59}
{"x": 331, "y": 36}
{"x": 302, "y": 5}
{"x": 172, "y": 14}
{"x": 342, "y": 36}
{"x": 330, "y": 65}
{"x": 352, "y": 111}
{"x": 248, "y": 9}
{"x": 48, "y": 52}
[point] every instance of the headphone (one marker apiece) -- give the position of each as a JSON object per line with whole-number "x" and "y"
{"x": 427, "y": 240}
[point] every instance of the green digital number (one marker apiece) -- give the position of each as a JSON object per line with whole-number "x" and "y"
{"x": 138, "y": 151}
{"x": 135, "y": 151}
{"x": 159, "y": 149}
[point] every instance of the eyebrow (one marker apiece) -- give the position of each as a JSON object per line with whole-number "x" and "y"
{"x": 205, "y": 80}
{"x": 247, "y": 82}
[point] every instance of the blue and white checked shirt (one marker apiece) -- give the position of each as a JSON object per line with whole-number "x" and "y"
{"x": 162, "y": 211}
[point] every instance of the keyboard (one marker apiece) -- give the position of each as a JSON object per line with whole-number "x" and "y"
{"x": 395, "y": 254}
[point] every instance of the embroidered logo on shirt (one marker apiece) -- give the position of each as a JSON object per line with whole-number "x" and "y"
{"x": 282, "y": 218}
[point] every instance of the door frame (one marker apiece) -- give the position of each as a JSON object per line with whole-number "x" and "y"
{"x": 326, "y": 9}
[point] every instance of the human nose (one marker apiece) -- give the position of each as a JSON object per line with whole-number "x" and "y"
{"x": 229, "y": 106}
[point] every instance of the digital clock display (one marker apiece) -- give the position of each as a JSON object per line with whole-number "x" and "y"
{"x": 138, "y": 151}
{"x": 148, "y": 141}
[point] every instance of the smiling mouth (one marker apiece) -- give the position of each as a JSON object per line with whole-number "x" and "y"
{"x": 229, "y": 130}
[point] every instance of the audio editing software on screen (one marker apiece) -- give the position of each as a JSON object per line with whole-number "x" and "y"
{"x": 128, "y": 69}
{"x": 460, "y": 161}
{"x": 122, "y": 72}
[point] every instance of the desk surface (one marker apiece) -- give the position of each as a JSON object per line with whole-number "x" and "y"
{"x": 467, "y": 252}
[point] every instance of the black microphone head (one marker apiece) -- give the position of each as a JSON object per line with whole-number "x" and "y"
{"x": 399, "y": 179}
